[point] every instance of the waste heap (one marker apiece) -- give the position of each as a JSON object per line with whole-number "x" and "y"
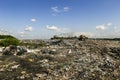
{"x": 90, "y": 60}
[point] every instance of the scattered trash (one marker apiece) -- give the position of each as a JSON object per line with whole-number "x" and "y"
{"x": 13, "y": 50}
{"x": 62, "y": 60}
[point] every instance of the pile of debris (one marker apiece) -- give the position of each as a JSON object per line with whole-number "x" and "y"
{"x": 82, "y": 37}
{"x": 91, "y": 60}
{"x": 13, "y": 50}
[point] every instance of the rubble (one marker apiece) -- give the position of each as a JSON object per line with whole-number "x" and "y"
{"x": 88, "y": 60}
{"x": 82, "y": 37}
{"x": 13, "y": 50}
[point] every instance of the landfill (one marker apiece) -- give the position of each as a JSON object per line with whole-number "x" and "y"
{"x": 68, "y": 59}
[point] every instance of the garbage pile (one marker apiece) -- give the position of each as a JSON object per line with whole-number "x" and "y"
{"x": 13, "y": 50}
{"x": 84, "y": 60}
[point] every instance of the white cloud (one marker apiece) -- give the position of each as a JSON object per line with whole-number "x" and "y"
{"x": 4, "y": 32}
{"x": 21, "y": 33}
{"x": 101, "y": 27}
{"x": 54, "y": 28}
{"x": 57, "y": 29}
{"x": 66, "y": 9}
{"x": 116, "y": 31}
{"x": 55, "y": 9}
{"x": 33, "y": 20}
{"x": 29, "y": 28}
{"x": 109, "y": 24}
{"x": 108, "y": 30}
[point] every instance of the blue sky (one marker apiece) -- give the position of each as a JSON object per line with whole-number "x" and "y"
{"x": 36, "y": 19}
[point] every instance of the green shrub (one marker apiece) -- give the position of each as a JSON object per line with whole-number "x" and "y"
{"x": 9, "y": 41}
{"x": 5, "y": 36}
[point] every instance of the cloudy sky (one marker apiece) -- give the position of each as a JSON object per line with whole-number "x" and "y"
{"x": 36, "y": 19}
